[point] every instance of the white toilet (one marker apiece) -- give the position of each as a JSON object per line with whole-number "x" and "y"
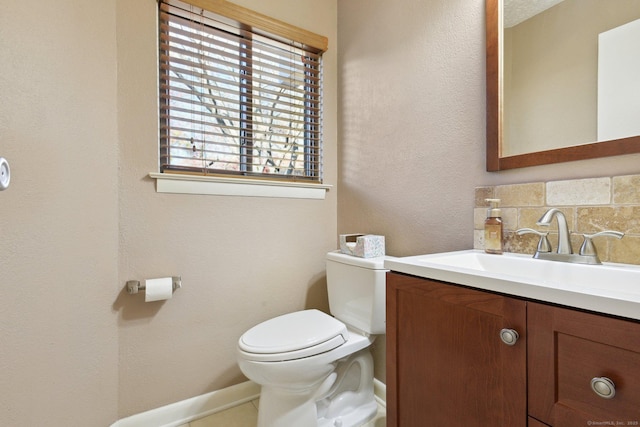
{"x": 315, "y": 369}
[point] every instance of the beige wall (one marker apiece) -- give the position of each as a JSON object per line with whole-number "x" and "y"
{"x": 79, "y": 76}
{"x": 59, "y": 217}
{"x": 78, "y": 124}
{"x": 412, "y": 130}
{"x": 242, "y": 260}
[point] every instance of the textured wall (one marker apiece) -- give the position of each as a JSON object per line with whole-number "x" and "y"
{"x": 59, "y": 219}
{"x": 78, "y": 124}
{"x": 412, "y": 120}
{"x": 242, "y": 260}
{"x": 412, "y": 129}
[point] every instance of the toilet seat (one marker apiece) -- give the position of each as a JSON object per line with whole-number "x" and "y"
{"x": 293, "y": 336}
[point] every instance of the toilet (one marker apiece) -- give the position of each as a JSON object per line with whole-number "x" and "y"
{"x": 315, "y": 369}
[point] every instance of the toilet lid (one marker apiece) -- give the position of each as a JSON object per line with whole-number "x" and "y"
{"x": 302, "y": 333}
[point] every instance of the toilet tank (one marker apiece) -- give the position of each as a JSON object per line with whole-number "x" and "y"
{"x": 357, "y": 291}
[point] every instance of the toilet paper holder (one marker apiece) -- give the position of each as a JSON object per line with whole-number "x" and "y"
{"x": 134, "y": 286}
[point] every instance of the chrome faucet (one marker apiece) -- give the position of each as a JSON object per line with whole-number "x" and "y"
{"x": 564, "y": 253}
{"x": 564, "y": 240}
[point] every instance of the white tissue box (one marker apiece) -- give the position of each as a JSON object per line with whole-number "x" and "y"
{"x": 362, "y": 245}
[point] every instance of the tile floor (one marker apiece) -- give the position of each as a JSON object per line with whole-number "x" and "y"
{"x": 246, "y": 415}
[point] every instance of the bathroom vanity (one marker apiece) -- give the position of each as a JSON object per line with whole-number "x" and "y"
{"x": 473, "y": 344}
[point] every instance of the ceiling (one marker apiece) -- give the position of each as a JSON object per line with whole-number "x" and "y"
{"x": 516, "y": 11}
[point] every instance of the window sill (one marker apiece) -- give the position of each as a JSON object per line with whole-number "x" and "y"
{"x": 195, "y": 184}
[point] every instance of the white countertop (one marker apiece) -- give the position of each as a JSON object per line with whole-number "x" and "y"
{"x": 608, "y": 288}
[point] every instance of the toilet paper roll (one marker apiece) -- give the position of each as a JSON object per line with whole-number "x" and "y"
{"x": 158, "y": 289}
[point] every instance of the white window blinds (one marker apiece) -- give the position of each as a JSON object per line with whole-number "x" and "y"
{"x": 235, "y": 99}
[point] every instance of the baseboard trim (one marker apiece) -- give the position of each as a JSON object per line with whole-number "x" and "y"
{"x": 179, "y": 413}
{"x": 185, "y": 411}
{"x": 380, "y": 391}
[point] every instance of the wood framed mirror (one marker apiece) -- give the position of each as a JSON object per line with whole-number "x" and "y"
{"x": 495, "y": 160}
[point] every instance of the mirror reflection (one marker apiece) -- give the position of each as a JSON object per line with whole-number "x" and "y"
{"x": 570, "y": 73}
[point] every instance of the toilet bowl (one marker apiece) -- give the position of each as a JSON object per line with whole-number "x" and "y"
{"x": 314, "y": 369}
{"x": 314, "y": 384}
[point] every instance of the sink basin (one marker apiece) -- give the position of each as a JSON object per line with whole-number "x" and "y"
{"x": 626, "y": 278}
{"x": 608, "y": 288}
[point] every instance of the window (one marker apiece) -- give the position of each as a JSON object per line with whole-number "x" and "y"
{"x": 236, "y": 99}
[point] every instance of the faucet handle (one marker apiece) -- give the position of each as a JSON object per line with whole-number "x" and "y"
{"x": 588, "y": 247}
{"x": 543, "y": 244}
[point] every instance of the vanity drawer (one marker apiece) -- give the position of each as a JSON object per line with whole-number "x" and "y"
{"x": 567, "y": 350}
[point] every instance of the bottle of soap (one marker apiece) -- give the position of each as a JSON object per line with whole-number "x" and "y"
{"x": 493, "y": 228}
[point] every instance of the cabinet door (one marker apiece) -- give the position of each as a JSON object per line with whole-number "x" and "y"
{"x": 446, "y": 363}
{"x": 535, "y": 423}
{"x": 567, "y": 349}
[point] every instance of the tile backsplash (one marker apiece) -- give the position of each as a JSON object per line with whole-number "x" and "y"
{"x": 590, "y": 205}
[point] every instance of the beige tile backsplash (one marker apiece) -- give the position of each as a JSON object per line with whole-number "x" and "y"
{"x": 590, "y": 205}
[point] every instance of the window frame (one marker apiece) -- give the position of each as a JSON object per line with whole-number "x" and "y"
{"x": 261, "y": 25}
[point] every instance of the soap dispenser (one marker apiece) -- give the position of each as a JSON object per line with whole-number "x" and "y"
{"x": 493, "y": 228}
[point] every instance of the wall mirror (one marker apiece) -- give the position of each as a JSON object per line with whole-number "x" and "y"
{"x": 554, "y": 89}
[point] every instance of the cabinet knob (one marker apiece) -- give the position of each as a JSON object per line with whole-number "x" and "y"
{"x": 509, "y": 336}
{"x": 603, "y": 387}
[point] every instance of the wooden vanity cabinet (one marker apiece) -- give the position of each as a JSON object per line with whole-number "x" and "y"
{"x": 446, "y": 363}
{"x": 567, "y": 349}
